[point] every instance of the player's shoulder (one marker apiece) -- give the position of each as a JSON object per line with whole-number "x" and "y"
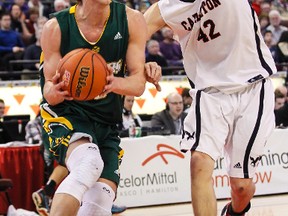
{"x": 51, "y": 24}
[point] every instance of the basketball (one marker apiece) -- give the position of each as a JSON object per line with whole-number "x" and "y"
{"x": 84, "y": 72}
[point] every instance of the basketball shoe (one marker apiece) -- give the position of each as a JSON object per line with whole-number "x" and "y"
{"x": 42, "y": 202}
{"x": 118, "y": 209}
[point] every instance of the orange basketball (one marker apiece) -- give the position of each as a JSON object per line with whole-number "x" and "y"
{"x": 84, "y": 72}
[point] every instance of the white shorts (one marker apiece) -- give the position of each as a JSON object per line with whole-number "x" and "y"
{"x": 240, "y": 123}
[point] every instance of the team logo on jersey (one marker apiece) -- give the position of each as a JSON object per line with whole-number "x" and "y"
{"x": 118, "y": 36}
{"x": 255, "y": 161}
{"x": 238, "y": 166}
{"x": 96, "y": 49}
{"x": 188, "y": 134}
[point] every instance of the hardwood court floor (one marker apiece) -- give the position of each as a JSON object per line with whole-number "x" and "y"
{"x": 276, "y": 205}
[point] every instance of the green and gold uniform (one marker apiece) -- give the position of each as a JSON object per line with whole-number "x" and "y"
{"x": 96, "y": 118}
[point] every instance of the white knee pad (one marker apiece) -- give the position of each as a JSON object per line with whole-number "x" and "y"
{"x": 97, "y": 201}
{"x": 85, "y": 165}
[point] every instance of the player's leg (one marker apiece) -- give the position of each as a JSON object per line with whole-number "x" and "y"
{"x": 203, "y": 196}
{"x": 100, "y": 197}
{"x": 42, "y": 197}
{"x": 205, "y": 139}
{"x": 255, "y": 122}
{"x": 98, "y": 200}
{"x": 85, "y": 164}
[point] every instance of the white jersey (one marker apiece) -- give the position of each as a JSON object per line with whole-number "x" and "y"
{"x": 221, "y": 42}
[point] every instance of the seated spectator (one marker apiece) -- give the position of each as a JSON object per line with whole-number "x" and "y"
{"x": 171, "y": 118}
{"x": 60, "y": 5}
{"x": 44, "y": 10}
{"x": 154, "y": 54}
{"x": 265, "y": 7}
{"x": 279, "y": 99}
{"x": 2, "y": 108}
{"x": 2, "y": 133}
{"x": 30, "y": 24}
{"x": 33, "y": 131}
{"x": 18, "y": 22}
{"x": 281, "y": 50}
{"x": 283, "y": 89}
{"x": 275, "y": 27}
{"x": 187, "y": 99}
{"x": 33, "y": 52}
{"x": 170, "y": 48}
{"x": 264, "y": 23}
{"x": 281, "y": 116}
{"x": 11, "y": 44}
{"x": 268, "y": 40}
{"x": 128, "y": 117}
{"x": 256, "y": 5}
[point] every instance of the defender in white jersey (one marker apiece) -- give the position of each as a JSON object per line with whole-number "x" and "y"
{"x": 229, "y": 66}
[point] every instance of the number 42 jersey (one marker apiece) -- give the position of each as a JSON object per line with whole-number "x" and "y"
{"x": 221, "y": 42}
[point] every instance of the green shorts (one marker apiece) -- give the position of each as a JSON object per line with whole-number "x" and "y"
{"x": 61, "y": 129}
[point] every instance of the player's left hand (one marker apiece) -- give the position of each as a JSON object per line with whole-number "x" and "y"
{"x": 110, "y": 82}
{"x": 153, "y": 73}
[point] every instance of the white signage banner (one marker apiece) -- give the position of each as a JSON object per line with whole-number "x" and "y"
{"x": 154, "y": 171}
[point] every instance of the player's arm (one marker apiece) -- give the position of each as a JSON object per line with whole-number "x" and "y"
{"x": 134, "y": 84}
{"x": 153, "y": 19}
{"x": 50, "y": 44}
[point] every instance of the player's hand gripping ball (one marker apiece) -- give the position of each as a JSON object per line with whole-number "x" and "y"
{"x": 84, "y": 73}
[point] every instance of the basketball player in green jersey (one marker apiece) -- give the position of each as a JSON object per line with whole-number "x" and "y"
{"x": 83, "y": 135}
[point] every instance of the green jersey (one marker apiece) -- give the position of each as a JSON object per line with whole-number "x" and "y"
{"x": 112, "y": 46}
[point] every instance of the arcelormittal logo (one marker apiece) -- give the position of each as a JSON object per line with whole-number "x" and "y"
{"x": 162, "y": 150}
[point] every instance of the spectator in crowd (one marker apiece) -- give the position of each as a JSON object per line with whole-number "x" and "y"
{"x": 264, "y": 22}
{"x": 281, "y": 116}
{"x": 268, "y": 40}
{"x": 128, "y": 117}
{"x": 60, "y": 5}
{"x": 11, "y": 44}
{"x": 283, "y": 89}
{"x": 154, "y": 54}
{"x": 33, "y": 52}
{"x": 256, "y": 5}
{"x": 30, "y": 24}
{"x": 172, "y": 117}
{"x": 2, "y": 108}
{"x": 281, "y": 50}
{"x": 279, "y": 99}
{"x": 18, "y": 22}
{"x": 22, "y": 4}
{"x": 170, "y": 48}
{"x": 265, "y": 7}
{"x": 3, "y": 138}
{"x": 33, "y": 131}
{"x": 187, "y": 99}
{"x": 44, "y": 10}
{"x": 275, "y": 27}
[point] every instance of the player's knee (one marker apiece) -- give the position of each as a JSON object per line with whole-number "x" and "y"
{"x": 85, "y": 164}
{"x": 98, "y": 200}
{"x": 201, "y": 165}
{"x": 242, "y": 186}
